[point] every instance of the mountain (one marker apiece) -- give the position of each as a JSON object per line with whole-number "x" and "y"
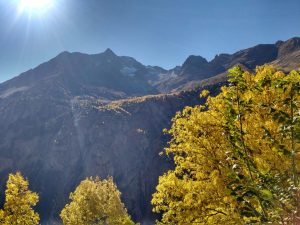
{"x": 81, "y": 115}
{"x": 289, "y": 54}
{"x": 103, "y": 75}
{"x": 285, "y": 55}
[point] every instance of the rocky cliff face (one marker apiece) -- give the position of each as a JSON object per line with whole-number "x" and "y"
{"x": 84, "y": 115}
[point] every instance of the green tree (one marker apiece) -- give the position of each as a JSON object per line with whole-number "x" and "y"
{"x": 237, "y": 157}
{"x": 94, "y": 202}
{"x": 19, "y": 202}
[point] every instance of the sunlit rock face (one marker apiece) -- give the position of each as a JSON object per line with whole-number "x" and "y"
{"x": 102, "y": 115}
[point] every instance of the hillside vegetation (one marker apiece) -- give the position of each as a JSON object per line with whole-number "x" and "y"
{"x": 236, "y": 162}
{"x": 237, "y": 156}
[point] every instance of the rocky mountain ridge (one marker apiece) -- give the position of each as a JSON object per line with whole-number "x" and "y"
{"x": 82, "y": 115}
{"x": 283, "y": 54}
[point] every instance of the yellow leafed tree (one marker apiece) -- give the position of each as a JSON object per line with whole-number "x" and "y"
{"x": 237, "y": 158}
{"x": 95, "y": 202}
{"x": 19, "y": 202}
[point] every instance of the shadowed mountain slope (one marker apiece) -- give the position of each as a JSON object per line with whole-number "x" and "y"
{"x": 82, "y": 115}
{"x": 104, "y": 75}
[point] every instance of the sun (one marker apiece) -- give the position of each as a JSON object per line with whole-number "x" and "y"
{"x": 35, "y": 6}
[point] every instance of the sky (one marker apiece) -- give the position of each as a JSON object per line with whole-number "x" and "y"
{"x": 155, "y": 32}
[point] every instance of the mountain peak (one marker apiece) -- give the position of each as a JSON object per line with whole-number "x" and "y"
{"x": 294, "y": 39}
{"x": 194, "y": 60}
{"x": 63, "y": 54}
{"x": 109, "y": 52}
{"x": 289, "y": 46}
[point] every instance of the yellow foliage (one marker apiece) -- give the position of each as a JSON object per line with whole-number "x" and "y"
{"x": 95, "y": 202}
{"x": 19, "y": 201}
{"x": 237, "y": 157}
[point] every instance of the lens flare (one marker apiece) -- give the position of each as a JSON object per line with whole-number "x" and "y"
{"x": 35, "y": 6}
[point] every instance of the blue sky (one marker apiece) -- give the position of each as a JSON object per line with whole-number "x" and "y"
{"x": 155, "y": 32}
